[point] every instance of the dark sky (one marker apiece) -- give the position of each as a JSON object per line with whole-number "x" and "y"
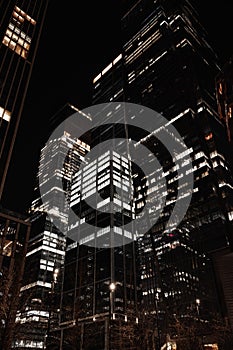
{"x": 78, "y": 40}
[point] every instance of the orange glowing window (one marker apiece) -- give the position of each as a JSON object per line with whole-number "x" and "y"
{"x": 220, "y": 88}
{"x": 15, "y": 38}
{"x": 229, "y": 113}
{"x": 209, "y": 136}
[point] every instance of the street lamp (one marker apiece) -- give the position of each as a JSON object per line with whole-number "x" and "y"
{"x": 198, "y": 302}
{"x": 112, "y": 288}
{"x": 55, "y": 275}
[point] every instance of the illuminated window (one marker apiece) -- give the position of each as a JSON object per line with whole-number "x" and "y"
{"x": 7, "y": 249}
{"x": 209, "y": 136}
{"x": 16, "y": 39}
{"x": 220, "y": 89}
{"x": 4, "y": 114}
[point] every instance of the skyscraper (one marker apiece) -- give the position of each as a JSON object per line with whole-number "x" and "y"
{"x": 39, "y": 301}
{"x": 167, "y": 64}
{"x": 21, "y": 25}
{"x": 104, "y": 289}
{"x": 165, "y": 278}
{"x": 224, "y": 97}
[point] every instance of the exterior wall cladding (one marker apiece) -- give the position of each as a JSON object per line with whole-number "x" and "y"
{"x": 165, "y": 276}
{"x": 21, "y": 25}
{"x": 14, "y": 235}
{"x": 39, "y": 299}
{"x": 224, "y": 93}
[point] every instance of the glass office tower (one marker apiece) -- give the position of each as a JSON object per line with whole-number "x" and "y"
{"x": 167, "y": 64}
{"x": 100, "y": 288}
{"x": 224, "y": 97}
{"x": 40, "y": 300}
{"x": 21, "y": 25}
{"x": 145, "y": 292}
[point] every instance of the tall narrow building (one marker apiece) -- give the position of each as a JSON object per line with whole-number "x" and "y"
{"x": 100, "y": 289}
{"x": 223, "y": 258}
{"x": 224, "y": 97}
{"x": 39, "y": 299}
{"x": 21, "y": 25}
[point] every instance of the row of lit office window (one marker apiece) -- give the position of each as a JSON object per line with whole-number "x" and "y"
{"x": 15, "y": 38}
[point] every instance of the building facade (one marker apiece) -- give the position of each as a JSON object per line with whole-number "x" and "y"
{"x": 167, "y": 64}
{"x": 14, "y": 234}
{"x": 21, "y": 25}
{"x": 224, "y": 97}
{"x": 40, "y": 300}
{"x": 140, "y": 294}
{"x": 223, "y": 84}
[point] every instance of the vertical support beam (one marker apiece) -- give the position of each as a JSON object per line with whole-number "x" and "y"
{"x": 106, "y": 334}
{"x": 82, "y": 336}
{"x": 61, "y": 340}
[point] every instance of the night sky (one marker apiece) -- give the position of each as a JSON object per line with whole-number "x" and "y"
{"x": 77, "y": 42}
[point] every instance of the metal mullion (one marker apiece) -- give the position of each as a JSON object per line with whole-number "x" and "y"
{"x": 17, "y": 118}
{"x": 8, "y": 97}
{"x": 3, "y": 239}
{"x": 34, "y": 29}
{"x": 3, "y": 17}
{"x": 3, "y": 61}
{"x": 77, "y": 258}
{"x": 13, "y": 249}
